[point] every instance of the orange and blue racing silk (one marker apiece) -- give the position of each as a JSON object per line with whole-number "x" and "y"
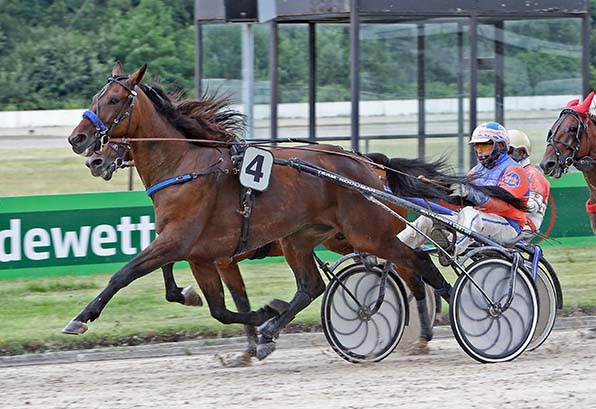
{"x": 509, "y": 175}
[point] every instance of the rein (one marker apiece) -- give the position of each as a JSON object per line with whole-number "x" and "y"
{"x": 268, "y": 143}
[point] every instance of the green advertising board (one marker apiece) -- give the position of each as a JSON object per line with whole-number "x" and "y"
{"x": 72, "y": 233}
{"x": 569, "y": 195}
{"x": 100, "y": 232}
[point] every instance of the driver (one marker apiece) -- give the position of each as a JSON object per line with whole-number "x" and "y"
{"x": 483, "y": 214}
{"x": 520, "y": 150}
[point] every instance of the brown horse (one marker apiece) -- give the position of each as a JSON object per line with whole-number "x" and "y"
{"x": 571, "y": 141}
{"x": 199, "y": 221}
{"x": 116, "y": 156}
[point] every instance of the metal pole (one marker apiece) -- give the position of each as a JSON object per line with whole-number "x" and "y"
{"x": 355, "y": 73}
{"x": 248, "y": 77}
{"x": 130, "y": 178}
{"x": 274, "y": 78}
{"x": 198, "y": 59}
{"x": 460, "y": 98}
{"x": 499, "y": 73}
{"x": 312, "y": 82}
{"x": 421, "y": 93}
{"x": 586, "y": 51}
{"x": 473, "y": 33}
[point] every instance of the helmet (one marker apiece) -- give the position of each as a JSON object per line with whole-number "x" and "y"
{"x": 490, "y": 132}
{"x": 519, "y": 140}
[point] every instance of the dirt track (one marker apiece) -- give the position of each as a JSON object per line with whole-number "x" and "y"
{"x": 559, "y": 374}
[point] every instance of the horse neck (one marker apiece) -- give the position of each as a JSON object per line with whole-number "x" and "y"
{"x": 159, "y": 160}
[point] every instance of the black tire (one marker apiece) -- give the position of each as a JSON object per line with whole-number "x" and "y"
{"x": 547, "y": 312}
{"x": 353, "y": 336}
{"x": 502, "y": 337}
{"x": 550, "y": 272}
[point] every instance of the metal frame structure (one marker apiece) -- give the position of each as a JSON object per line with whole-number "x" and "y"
{"x": 355, "y": 12}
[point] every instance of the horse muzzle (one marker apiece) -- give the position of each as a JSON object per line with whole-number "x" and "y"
{"x": 100, "y": 168}
{"x": 551, "y": 168}
{"x": 83, "y": 144}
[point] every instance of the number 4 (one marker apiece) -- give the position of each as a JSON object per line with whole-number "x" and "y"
{"x": 255, "y": 168}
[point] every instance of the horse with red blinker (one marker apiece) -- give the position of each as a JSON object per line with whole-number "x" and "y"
{"x": 571, "y": 141}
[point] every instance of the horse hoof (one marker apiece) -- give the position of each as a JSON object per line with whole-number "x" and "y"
{"x": 279, "y": 306}
{"x": 191, "y": 297}
{"x": 235, "y": 361}
{"x": 75, "y": 327}
{"x": 265, "y": 349}
{"x": 588, "y": 333}
{"x": 420, "y": 348}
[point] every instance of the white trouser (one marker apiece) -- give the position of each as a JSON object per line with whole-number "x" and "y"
{"x": 488, "y": 224}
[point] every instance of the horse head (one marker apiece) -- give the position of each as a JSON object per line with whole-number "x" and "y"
{"x": 568, "y": 141}
{"x": 110, "y": 113}
{"x": 109, "y": 159}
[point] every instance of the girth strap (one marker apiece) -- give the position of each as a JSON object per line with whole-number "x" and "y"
{"x": 247, "y": 202}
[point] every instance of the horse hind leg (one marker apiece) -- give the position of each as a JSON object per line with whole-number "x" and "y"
{"x": 231, "y": 277}
{"x": 432, "y": 276}
{"x": 298, "y": 251}
{"x": 419, "y": 268}
{"x": 413, "y": 267}
{"x": 210, "y": 282}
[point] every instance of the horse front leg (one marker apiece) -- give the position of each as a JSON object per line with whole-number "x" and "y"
{"x": 157, "y": 254}
{"x": 185, "y": 296}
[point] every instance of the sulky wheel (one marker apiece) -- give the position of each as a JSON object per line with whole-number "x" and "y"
{"x": 493, "y": 333}
{"x": 352, "y": 330}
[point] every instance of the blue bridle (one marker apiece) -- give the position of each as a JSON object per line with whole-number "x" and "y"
{"x": 102, "y": 132}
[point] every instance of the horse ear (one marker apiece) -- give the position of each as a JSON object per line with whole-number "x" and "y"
{"x": 137, "y": 76}
{"x": 117, "y": 69}
{"x": 572, "y": 103}
{"x": 585, "y": 106}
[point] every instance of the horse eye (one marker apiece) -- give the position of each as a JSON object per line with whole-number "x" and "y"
{"x": 113, "y": 101}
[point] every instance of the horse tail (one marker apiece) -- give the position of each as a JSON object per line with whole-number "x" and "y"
{"x": 431, "y": 180}
{"x": 415, "y": 177}
{"x": 379, "y": 158}
{"x": 502, "y": 194}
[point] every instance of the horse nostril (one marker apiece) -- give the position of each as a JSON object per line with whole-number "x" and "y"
{"x": 77, "y": 139}
{"x": 94, "y": 163}
{"x": 548, "y": 165}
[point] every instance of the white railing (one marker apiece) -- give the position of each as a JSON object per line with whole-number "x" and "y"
{"x": 70, "y": 117}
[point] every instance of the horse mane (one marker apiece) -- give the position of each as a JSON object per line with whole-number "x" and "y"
{"x": 210, "y": 117}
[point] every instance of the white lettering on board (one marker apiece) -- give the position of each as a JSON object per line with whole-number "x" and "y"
{"x": 36, "y": 238}
{"x": 13, "y": 237}
{"x": 126, "y": 228}
{"x": 103, "y": 234}
{"x": 70, "y": 241}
